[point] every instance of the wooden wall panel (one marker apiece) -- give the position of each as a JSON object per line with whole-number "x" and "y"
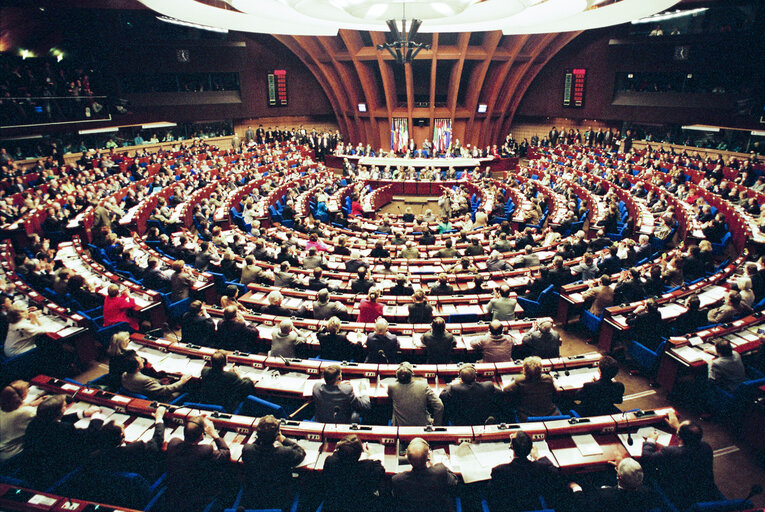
{"x": 496, "y": 70}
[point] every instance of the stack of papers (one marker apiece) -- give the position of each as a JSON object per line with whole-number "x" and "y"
{"x": 312, "y": 451}
{"x": 464, "y": 460}
{"x": 587, "y": 445}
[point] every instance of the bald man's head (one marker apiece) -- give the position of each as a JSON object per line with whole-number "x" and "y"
{"x": 418, "y": 453}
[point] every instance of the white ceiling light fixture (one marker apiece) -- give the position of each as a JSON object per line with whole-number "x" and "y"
{"x": 182, "y": 23}
{"x": 326, "y": 17}
{"x": 701, "y": 128}
{"x": 659, "y": 17}
{"x": 110, "y": 129}
{"x": 162, "y": 124}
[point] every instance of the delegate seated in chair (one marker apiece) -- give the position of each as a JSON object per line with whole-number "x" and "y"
{"x": 23, "y": 329}
{"x": 136, "y": 382}
{"x": 268, "y": 463}
{"x": 220, "y": 387}
{"x": 15, "y": 416}
{"x": 359, "y": 493}
{"x": 629, "y": 495}
{"x": 686, "y": 471}
{"x": 426, "y": 487}
{"x": 646, "y": 324}
{"x": 197, "y": 328}
{"x": 466, "y": 401}
{"x": 116, "y": 307}
{"x": 113, "y": 454}
{"x": 599, "y": 396}
{"x": 120, "y": 358}
{"x": 192, "y": 467}
{"x": 726, "y": 369}
{"x": 732, "y": 308}
{"x": 533, "y": 392}
{"x": 518, "y": 484}
{"x": 52, "y": 446}
{"x": 336, "y": 401}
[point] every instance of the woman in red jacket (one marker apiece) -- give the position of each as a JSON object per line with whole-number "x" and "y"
{"x": 369, "y": 309}
{"x": 116, "y": 306}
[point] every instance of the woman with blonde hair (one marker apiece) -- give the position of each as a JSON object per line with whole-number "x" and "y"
{"x": 15, "y": 415}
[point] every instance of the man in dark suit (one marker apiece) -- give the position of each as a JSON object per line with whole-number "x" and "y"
{"x": 336, "y": 401}
{"x": 467, "y": 402}
{"x": 363, "y": 283}
{"x": 382, "y": 346}
{"x": 518, "y": 484}
{"x": 153, "y": 278}
{"x": 420, "y": 312}
{"x": 234, "y": 333}
{"x": 402, "y": 288}
{"x": 268, "y": 465}
{"x": 686, "y": 470}
{"x": 643, "y": 249}
{"x": 197, "y": 327}
{"x": 192, "y": 466}
{"x": 357, "y": 494}
{"x": 542, "y": 341}
{"x": 610, "y": 264}
{"x": 425, "y": 487}
{"x": 598, "y": 397}
{"x": 52, "y": 446}
{"x": 443, "y": 287}
{"x": 134, "y": 457}
{"x": 316, "y": 282}
{"x": 558, "y": 275}
{"x": 629, "y": 288}
{"x": 629, "y": 494}
{"x": 220, "y": 387}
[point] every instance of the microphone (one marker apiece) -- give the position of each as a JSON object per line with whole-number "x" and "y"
{"x": 491, "y": 420}
{"x": 565, "y": 368}
{"x": 335, "y": 412}
{"x": 381, "y": 355}
{"x": 166, "y": 325}
{"x": 630, "y": 441}
{"x": 284, "y": 360}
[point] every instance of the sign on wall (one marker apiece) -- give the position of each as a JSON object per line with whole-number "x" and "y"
{"x": 277, "y": 88}
{"x": 573, "y": 87}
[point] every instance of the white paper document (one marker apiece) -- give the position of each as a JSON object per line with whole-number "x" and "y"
{"x": 312, "y": 451}
{"x": 490, "y": 455}
{"x": 587, "y": 445}
{"x": 465, "y": 462}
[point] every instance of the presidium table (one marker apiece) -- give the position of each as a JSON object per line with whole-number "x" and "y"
{"x": 496, "y": 164}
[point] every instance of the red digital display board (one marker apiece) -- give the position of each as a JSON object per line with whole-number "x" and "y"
{"x": 277, "y": 88}
{"x": 573, "y": 87}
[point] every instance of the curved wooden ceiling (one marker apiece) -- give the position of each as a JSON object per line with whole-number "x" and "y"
{"x": 450, "y": 81}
